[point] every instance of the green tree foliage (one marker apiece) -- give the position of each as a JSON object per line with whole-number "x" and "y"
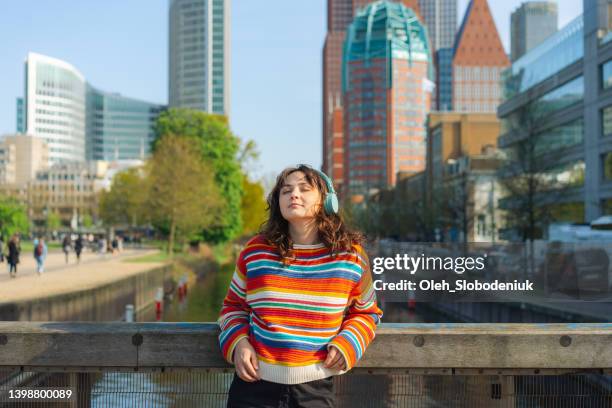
{"x": 253, "y": 206}
{"x": 183, "y": 195}
{"x": 13, "y": 218}
{"x": 87, "y": 221}
{"x": 124, "y": 203}
{"x": 219, "y": 149}
{"x": 53, "y": 221}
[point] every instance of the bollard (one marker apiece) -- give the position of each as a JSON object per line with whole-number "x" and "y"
{"x": 129, "y": 313}
{"x": 159, "y": 301}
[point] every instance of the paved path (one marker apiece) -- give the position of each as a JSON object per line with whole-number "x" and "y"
{"x": 59, "y": 277}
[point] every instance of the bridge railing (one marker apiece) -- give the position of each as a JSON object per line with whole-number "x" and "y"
{"x": 412, "y": 365}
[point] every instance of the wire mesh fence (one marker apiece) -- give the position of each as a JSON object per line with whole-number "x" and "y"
{"x": 209, "y": 389}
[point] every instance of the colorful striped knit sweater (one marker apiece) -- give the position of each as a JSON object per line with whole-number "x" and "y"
{"x": 292, "y": 313}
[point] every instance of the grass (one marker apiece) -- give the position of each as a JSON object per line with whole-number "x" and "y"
{"x": 156, "y": 257}
{"x": 28, "y": 246}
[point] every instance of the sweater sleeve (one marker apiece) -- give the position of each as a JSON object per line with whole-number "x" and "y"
{"x": 362, "y": 317}
{"x": 234, "y": 317}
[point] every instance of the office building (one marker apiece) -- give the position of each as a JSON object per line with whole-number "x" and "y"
{"x": 530, "y": 24}
{"x": 557, "y": 120}
{"x": 21, "y": 156}
{"x": 440, "y": 18}
{"x": 199, "y": 55}
{"x": 387, "y": 84}
{"x": 119, "y": 128}
{"x": 478, "y": 61}
{"x": 55, "y": 107}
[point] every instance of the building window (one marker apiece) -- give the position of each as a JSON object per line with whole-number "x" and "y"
{"x": 606, "y": 75}
{"x": 607, "y": 166}
{"x": 606, "y": 121}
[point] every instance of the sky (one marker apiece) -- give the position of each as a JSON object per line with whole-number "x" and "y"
{"x": 276, "y": 59}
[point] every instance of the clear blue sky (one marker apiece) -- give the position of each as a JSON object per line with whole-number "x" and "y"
{"x": 121, "y": 46}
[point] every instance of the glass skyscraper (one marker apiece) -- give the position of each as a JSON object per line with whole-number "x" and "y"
{"x": 199, "y": 55}
{"x": 55, "y": 107}
{"x": 119, "y": 128}
{"x": 79, "y": 122}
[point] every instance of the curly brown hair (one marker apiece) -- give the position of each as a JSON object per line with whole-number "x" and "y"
{"x": 333, "y": 232}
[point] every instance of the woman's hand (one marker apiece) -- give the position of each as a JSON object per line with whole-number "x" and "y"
{"x": 245, "y": 360}
{"x": 335, "y": 359}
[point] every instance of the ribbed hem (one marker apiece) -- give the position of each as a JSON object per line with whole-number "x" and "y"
{"x": 295, "y": 375}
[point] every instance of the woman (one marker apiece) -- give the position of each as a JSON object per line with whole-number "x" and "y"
{"x": 300, "y": 307}
{"x": 13, "y": 255}
{"x": 40, "y": 254}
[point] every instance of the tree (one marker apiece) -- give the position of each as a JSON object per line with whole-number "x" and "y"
{"x": 13, "y": 217}
{"x": 87, "y": 221}
{"x": 53, "y": 221}
{"x": 124, "y": 203}
{"x": 253, "y": 206}
{"x": 183, "y": 194}
{"x": 531, "y": 178}
{"x": 219, "y": 149}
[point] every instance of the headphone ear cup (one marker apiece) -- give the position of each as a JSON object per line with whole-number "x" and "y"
{"x": 331, "y": 203}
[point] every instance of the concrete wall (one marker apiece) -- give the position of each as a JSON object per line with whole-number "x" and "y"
{"x": 105, "y": 303}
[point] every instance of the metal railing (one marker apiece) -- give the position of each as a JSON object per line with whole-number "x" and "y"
{"x": 407, "y": 365}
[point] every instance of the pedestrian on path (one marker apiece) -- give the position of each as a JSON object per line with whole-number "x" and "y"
{"x": 78, "y": 247}
{"x": 40, "y": 254}
{"x": 14, "y": 249}
{"x": 66, "y": 246}
{"x": 301, "y": 307}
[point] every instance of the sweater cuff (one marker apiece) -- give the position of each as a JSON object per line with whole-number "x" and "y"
{"x": 345, "y": 348}
{"x": 230, "y": 343}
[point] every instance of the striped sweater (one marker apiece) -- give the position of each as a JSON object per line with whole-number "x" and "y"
{"x": 292, "y": 313}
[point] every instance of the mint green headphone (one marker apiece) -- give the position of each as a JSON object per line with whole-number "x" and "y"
{"x": 330, "y": 204}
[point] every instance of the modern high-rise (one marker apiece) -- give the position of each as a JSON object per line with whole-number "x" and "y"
{"x": 530, "y": 24}
{"x": 558, "y": 109}
{"x": 199, "y": 55}
{"x": 387, "y": 82}
{"x": 478, "y": 61}
{"x": 55, "y": 107}
{"x": 440, "y": 18}
{"x": 340, "y": 14}
{"x": 119, "y": 128}
{"x": 79, "y": 122}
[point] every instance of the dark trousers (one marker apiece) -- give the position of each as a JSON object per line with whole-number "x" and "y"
{"x": 265, "y": 394}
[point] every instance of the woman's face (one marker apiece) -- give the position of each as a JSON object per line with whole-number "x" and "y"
{"x": 298, "y": 199}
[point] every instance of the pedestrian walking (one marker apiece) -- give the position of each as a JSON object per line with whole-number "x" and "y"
{"x": 14, "y": 248}
{"x": 301, "y": 307}
{"x": 40, "y": 254}
{"x": 66, "y": 245}
{"x": 78, "y": 247}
